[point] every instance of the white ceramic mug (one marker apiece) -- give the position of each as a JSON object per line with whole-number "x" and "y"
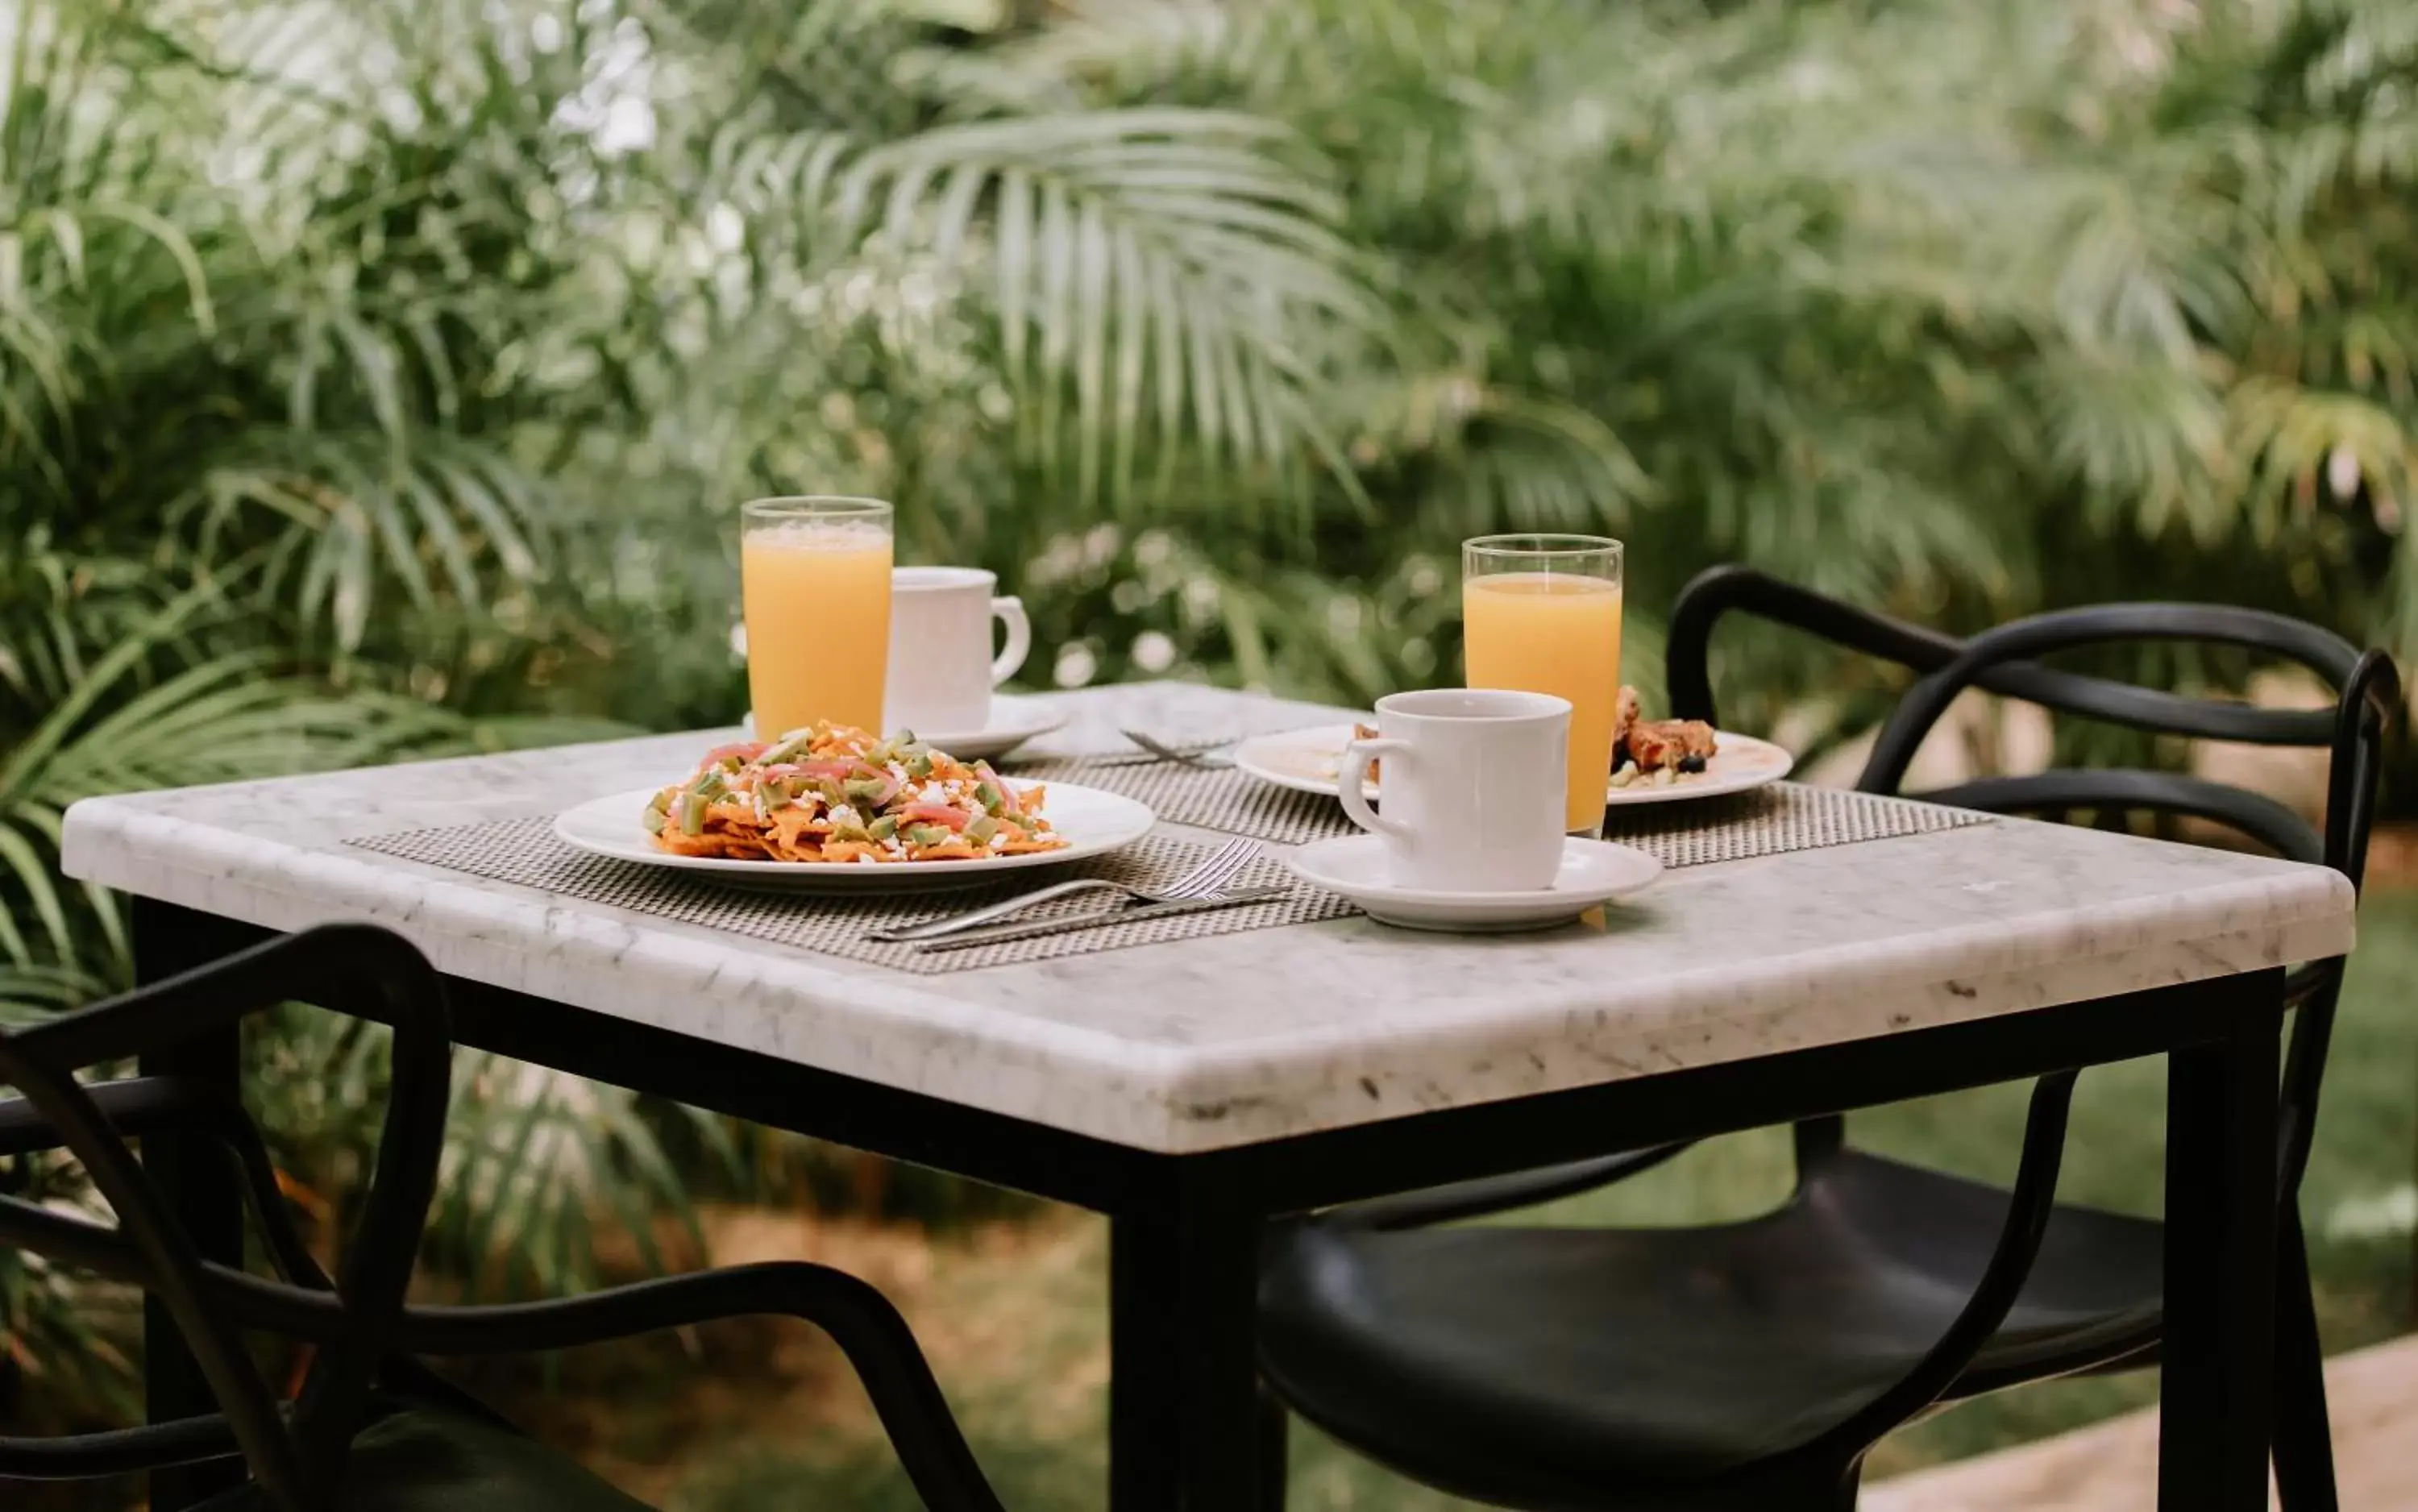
{"x": 1473, "y": 786}
{"x": 941, "y": 669}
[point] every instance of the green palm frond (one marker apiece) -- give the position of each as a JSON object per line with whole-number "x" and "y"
{"x": 149, "y": 701}
{"x": 2294, "y": 450}
{"x": 1183, "y": 50}
{"x": 2142, "y": 438}
{"x": 817, "y": 65}
{"x": 1493, "y": 457}
{"x": 1170, "y": 271}
{"x": 352, "y": 515}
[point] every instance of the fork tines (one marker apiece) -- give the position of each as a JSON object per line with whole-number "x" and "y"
{"x": 1211, "y": 876}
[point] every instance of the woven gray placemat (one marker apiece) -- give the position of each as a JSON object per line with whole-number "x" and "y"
{"x": 1221, "y": 799}
{"x": 1765, "y": 821}
{"x": 1771, "y": 820}
{"x": 525, "y": 853}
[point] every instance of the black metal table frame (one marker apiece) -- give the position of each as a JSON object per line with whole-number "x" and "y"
{"x": 1184, "y": 1425}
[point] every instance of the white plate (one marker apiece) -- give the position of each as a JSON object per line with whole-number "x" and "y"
{"x": 1593, "y": 872}
{"x": 1307, "y": 761}
{"x": 1013, "y": 720}
{"x": 1093, "y": 823}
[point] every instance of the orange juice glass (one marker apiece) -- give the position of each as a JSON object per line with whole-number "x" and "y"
{"x": 1543, "y": 613}
{"x": 814, "y": 574}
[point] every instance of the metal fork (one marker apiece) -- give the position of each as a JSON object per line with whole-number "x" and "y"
{"x": 1165, "y": 752}
{"x": 1208, "y": 880}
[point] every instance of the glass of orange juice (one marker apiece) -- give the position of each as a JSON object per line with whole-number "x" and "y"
{"x": 814, "y": 576}
{"x": 1543, "y": 613}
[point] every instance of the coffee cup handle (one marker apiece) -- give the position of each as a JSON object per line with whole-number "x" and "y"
{"x": 1351, "y": 785}
{"x": 1009, "y": 611}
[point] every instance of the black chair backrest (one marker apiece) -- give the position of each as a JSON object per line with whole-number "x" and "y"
{"x": 2007, "y": 661}
{"x": 296, "y": 1457}
{"x": 2363, "y": 682}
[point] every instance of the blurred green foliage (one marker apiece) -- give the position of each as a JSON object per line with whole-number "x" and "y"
{"x": 377, "y": 378}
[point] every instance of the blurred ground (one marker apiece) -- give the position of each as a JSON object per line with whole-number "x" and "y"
{"x": 2112, "y": 1466}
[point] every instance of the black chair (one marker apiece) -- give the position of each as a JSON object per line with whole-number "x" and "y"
{"x": 371, "y": 1429}
{"x": 1753, "y": 1364}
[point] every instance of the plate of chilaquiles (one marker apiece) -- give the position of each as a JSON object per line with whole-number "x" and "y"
{"x": 838, "y": 810}
{"x": 1653, "y": 761}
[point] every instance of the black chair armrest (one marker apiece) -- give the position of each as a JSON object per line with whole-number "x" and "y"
{"x": 1718, "y": 591}
{"x": 2028, "y": 1208}
{"x": 364, "y": 1329}
{"x": 360, "y": 969}
{"x": 2003, "y": 660}
{"x": 1503, "y": 1193}
{"x": 190, "y": 1441}
{"x": 145, "y": 1108}
{"x": 2064, "y": 789}
{"x": 868, "y": 1329}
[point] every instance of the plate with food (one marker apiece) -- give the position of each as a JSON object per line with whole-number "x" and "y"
{"x": 1653, "y": 761}
{"x": 834, "y": 809}
{"x": 1670, "y": 760}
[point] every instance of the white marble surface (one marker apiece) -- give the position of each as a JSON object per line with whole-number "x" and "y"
{"x": 1202, "y": 1043}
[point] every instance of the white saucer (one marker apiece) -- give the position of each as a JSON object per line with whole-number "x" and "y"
{"x": 1593, "y": 872}
{"x": 1013, "y": 720}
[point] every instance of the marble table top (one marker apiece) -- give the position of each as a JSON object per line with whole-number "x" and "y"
{"x": 1202, "y": 1043}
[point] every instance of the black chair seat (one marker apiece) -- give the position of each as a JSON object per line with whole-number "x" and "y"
{"x": 422, "y": 1457}
{"x": 1536, "y": 1367}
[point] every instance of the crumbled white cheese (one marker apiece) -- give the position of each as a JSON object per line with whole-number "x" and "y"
{"x": 843, "y": 814}
{"x": 999, "y": 841}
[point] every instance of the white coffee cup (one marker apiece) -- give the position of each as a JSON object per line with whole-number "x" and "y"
{"x": 1473, "y": 786}
{"x": 941, "y": 669}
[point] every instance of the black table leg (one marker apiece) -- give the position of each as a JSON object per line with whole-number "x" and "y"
{"x": 201, "y": 1190}
{"x": 2218, "y": 1356}
{"x": 1184, "y": 1425}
